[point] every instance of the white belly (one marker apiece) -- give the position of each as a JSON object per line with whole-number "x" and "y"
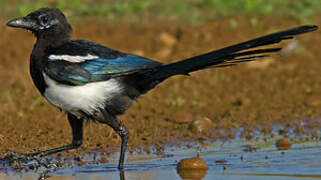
{"x": 87, "y": 98}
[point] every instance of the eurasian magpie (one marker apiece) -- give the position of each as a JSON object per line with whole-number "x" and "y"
{"x": 91, "y": 81}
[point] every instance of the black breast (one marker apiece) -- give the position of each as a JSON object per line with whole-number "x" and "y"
{"x": 36, "y": 74}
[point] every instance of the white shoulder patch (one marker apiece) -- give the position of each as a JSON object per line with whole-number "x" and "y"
{"x": 71, "y": 58}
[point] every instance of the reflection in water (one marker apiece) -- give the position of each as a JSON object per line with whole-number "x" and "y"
{"x": 195, "y": 174}
{"x": 121, "y": 174}
{"x": 303, "y": 161}
{"x": 45, "y": 175}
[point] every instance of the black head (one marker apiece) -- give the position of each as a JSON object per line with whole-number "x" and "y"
{"x": 45, "y": 22}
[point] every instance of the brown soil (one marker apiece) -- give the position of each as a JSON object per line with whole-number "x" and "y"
{"x": 285, "y": 90}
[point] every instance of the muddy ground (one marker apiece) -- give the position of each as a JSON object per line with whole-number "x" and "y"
{"x": 278, "y": 90}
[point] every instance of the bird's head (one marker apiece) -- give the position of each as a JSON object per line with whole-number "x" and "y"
{"x": 44, "y": 22}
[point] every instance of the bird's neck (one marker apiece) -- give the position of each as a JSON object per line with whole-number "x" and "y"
{"x": 39, "y": 58}
{"x": 53, "y": 37}
{"x": 44, "y": 43}
{"x": 52, "y": 41}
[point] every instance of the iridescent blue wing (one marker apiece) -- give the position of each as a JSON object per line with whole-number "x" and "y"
{"x": 77, "y": 70}
{"x": 99, "y": 67}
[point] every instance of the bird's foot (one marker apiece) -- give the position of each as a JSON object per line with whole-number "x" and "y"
{"x": 17, "y": 160}
{"x": 20, "y": 160}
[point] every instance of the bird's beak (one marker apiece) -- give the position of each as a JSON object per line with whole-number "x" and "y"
{"x": 22, "y": 22}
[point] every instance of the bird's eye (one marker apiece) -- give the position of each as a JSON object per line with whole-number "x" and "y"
{"x": 44, "y": 19}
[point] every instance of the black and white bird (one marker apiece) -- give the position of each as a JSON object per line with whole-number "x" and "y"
{"x": 91, "y": 81}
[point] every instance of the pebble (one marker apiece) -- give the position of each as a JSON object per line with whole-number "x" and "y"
{"x": 283, "y": 144}
{"x": 192, "y": 163}
{"x": 200, "y": 124}
{"x": 192, "y": 168}
{"x": 290, "y": 48}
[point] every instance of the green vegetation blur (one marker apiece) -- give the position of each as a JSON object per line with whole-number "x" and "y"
{"x": 189, "y": 10}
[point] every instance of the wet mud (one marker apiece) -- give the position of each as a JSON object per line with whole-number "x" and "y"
{"x": 219, "y": 160}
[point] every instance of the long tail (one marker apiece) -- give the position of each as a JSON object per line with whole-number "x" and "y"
{"x": 227, "y": 56}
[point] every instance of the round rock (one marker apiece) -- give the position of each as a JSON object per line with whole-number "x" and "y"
{"x": 200, "y": 124}
{"x": 192, "y": 168}
{"x": 192, "y": 163}
{"x": 283, "y": 144}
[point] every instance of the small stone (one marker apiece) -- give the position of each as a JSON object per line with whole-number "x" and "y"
{"x": 192, "y": 163}
{"x": 192, "y": 168}
{"x": 283, "y": 144}
{"x": 200, "y": 124}
{"x": 290, "y": 48}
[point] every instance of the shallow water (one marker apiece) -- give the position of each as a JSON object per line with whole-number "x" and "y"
{"x": 225, "y": 161}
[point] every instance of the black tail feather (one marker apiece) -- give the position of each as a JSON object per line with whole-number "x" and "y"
{"x": 227, "y": 56}
{"x": 236, "y": 58}
{"x": 237, "y": 61}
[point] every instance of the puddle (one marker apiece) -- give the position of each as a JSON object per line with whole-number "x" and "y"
{"x": 237, "y": 159}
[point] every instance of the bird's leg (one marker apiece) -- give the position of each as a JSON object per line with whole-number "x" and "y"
{"x": 124, "y": 134}
{"x": 122, "y": 131}
{"x": 77, "y": 135}
{"x": 121, "y": 174}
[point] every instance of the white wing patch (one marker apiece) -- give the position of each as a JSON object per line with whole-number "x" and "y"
{"x": 87, "y": 98}
{"x": 71, "y": 58}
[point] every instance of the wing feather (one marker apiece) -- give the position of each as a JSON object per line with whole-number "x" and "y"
{"x": 96, "y": 69}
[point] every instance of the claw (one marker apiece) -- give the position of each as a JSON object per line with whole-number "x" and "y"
{"x": 18, "y": 160}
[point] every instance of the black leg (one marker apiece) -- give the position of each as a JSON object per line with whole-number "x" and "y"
{"x": 124, "y": 139}
{"x": 77, "y": 132}
{"x": 122, "y": 130}
{"x": 121, "y": 174}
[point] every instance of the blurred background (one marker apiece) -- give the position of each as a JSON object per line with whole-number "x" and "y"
{"x": 282, "y": 89}
{"x": 188, "y": 10}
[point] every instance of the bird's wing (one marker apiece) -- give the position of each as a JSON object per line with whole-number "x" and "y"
{"x": 82, "y": 62}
